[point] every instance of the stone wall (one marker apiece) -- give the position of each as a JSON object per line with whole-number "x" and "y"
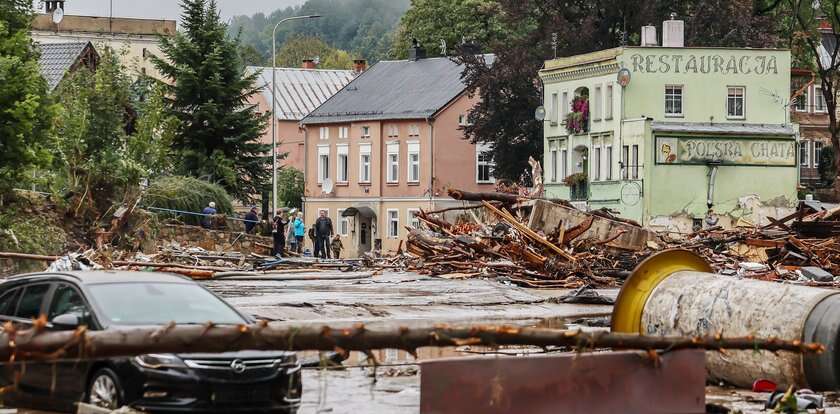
{"x": 212, "y": 240}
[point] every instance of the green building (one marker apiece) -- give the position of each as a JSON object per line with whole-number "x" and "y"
{"x": 671, "y": 136}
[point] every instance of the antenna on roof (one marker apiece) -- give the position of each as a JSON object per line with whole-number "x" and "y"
{"x": 554, "y": 43}
{"x": 443, "y": 47}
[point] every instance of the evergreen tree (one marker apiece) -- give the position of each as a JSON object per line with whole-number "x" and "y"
{"x": 25, "y": 108}
{"x": 208, "y": 91}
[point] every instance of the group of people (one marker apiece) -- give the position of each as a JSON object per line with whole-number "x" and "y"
{"x": 289, "y": 226}
{"x": 321, "y": 233}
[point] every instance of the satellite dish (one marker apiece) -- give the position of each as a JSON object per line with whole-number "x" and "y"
{"x": 327, "y": 186}
{"x": 58, "y": 15}
{"x": 539, "y": 114}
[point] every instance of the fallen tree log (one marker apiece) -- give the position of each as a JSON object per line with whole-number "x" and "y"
{"x": 38, "y": 344}
{"x": 468, "y": 196}
{"x": 37, "y": 257}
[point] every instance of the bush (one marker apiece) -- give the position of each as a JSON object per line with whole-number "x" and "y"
{"x": 186, "y": 194}
{"x": 827, "y": 168}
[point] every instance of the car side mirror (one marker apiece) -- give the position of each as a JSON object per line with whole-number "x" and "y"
{"x": 66, "y": 321}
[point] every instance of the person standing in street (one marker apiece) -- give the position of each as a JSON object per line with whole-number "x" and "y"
{"x": 209, "y": 212}
{"x": 278, "y": 231}
{"x": 336, "y": 246}
{"x": 251, "y": 220}
{"x": 323, "y": 234}
{"x": 300, "y": 231}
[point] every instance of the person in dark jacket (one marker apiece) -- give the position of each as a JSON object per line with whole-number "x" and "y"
{"x": 278, "y": 231}
{"x": 209, "y": 212}
{"x": 323, "y": 234}
{"x": 251, "y": 220}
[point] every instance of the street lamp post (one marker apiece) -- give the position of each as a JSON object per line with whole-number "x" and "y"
{"x": 274, "y": 108}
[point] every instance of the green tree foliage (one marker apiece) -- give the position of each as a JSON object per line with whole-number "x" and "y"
{"x": 186, "y": 194}
{"x": 509, "y": 89}
{"x": 290, "y": 187}
{"x": 361, "y": 27}
{"x": 153, "y": 130}
{"x": 92, "y": 144}
{"x": 453, "y": 21}
{"x": 25, "y": 107}
{"x": 298, "y": 48}
{"x": 218, "y": 131}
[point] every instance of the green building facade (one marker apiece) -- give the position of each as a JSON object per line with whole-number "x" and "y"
{"x": 694, "y": 137}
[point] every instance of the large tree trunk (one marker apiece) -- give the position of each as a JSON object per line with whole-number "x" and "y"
{"x": 35, "y": 344}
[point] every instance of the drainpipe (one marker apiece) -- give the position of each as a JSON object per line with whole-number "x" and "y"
{"x": 305, "y": 161}
{"x": 710, "y": 194}
{"x": 431, "y": 161}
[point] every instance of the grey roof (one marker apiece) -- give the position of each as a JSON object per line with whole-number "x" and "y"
{"x": 395, "y": 90}
{"x": 724, "y": 128}
{"x": 57, "y": 59}
{"x": 299, "y": 91}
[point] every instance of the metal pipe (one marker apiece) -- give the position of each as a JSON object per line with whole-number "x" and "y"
{"x": 710, "y": 192}
{"x": 274, "y": 107}
{"x": 676, "y": 293}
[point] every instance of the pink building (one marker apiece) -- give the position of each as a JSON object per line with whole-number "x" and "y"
{"x": 299, "y": 91}
{"x": 388, "y": 144}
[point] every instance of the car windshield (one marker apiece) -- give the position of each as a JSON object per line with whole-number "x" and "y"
{"x": 160, "y": 304}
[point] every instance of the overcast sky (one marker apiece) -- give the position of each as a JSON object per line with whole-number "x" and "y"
{"x": 168, "y": 9}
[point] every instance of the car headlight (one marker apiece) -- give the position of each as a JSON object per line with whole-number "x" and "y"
{"x": 159, "y": 361}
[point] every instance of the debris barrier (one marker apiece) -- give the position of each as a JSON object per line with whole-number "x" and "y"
{"x": 675, "y": 293}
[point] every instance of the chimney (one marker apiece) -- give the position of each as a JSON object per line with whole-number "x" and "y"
{"x": 52, "y": 5}
{"x": 649, "y": 36}
{"x": 309, "y": 64}
{"x": 673, "y": 32}
{"x": 416, "y": 52}
{"x": 359, "y": 66}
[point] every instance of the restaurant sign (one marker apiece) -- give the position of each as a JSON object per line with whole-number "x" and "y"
{"x": 727, "y": 151}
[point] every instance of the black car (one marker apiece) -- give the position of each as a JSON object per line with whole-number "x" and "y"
{"x": 224, "y": 383}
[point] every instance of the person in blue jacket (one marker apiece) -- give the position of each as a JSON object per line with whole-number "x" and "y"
{"x": 209, "y": 211}
{"x": 300, "y": 231}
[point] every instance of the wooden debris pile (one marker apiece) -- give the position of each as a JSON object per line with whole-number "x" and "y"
{"x": 511, "y": 250}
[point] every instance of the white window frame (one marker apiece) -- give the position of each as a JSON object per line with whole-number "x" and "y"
{"x": 365, "y": 132}
{"x": 342, "y": 163}
{"x": 393, "y": 131}
{"x": 673, "y": 96}
{"x": 413, "y": 130}
{"x": 819, "y": 97}
{"x": 323, "y": 163}
{"x": 625, "y": 162}
{"x": 564, "y": 105}
{"x": 552, "y": 157}
{"x": 479, "y": 150}
{"x": 609, "y": 163}
{"x": 413, "y": 148}
{"x": 806, "y": 161}
{"x": 343, "y": 223}
{"x": 803, "y": 99}
{"x": 554, "y": 109}
{"x": 343, "y": 132}
{"x": 464, "y": 120}
{"x": 596, "y": 163}
{"x": 635, "y": 159}
{"x": 597, "y": 103}
{"x": 411, "y": 220}
{"x": 365, "y": 165}
{"x": 733, "y": 93}
{"x": 816, "y": 147}
{"x": 392, "y": 160}
{"x": 564, "y": 163}
{"x": 324, "y": 133}
{"x": 608, "y": 110}
{"x": 393, "y": 232}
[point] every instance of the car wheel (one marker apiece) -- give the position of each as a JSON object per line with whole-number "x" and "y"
{"x": 104, "y": 390}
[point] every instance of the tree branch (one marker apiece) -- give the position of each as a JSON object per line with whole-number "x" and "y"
{"x": 36, "y": 344}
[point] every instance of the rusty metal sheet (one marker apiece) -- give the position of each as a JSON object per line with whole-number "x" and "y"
{"x": 591, "y": 383}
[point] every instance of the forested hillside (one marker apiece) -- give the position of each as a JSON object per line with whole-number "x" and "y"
{"x": 364, "y": 28}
